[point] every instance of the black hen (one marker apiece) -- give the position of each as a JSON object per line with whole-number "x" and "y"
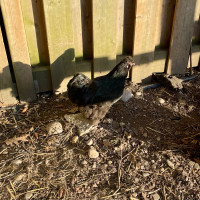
{"x": 95, "y": 97}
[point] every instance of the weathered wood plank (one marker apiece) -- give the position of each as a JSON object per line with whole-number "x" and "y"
{"x": 120, "y": 27}
{"x": 87, "y": 29}
{"x": 104, "y": 35}
{"x": 164, "y": 17}
{"x": 78, "y": 42}
{"x": 18, "y": 47}
{"x": 7, "y": 94}
{"x": 60, "y": 37}
{"x": 40, "y": 28}
{"x": 181, "y": 37}
{"x": 144, "y": 36}
{"x": 196, "y": 35}
{"x": 29, "y": 25}
{"x": 80, "y": 65}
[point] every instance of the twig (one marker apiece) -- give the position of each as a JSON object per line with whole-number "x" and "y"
{"x": 114, "y": 194}
{"x": 12, "y": 186}
{"x": 3, "y": 151}
{"x": 154, "y": 130}
{"x": 31, "y": 191}
{"x": 164, "y": 193}
{"x": 154, "y": 191}
{"x": 10, "y": 192}
{"x": 171, "y": 192}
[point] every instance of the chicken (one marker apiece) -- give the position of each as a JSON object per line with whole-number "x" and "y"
{"x": 95, "y": 97}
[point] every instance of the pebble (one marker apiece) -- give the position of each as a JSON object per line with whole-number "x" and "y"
{"x": 161, "y": 101}
{"x": 138, "y": 93}
{"x": 162, "y": 170}
{"x": 92, "y": 153}
{"x": 158, "y": 138}
{"x": 110, "y": 162}
{"x": 196, "y": 166}
{"x": 156, "y": 196}
{"x": 28, "y": 196}
{"x": 74, "y": 139}
{"x": 145, "y": 134}
{"x": 84, "y": 162}
{"x": 108, "y": 121}
{"x": 191, "y": 164}
{"x": 170, "y": 164}
{"x": 20, "y": 177}
{"x": 122, "y": 124}
{"x": 54, "y": 128}
{"x": 17, "y": 162}
{"x": 145, "y": 174}
{"x": 89, "y": 142}
{"x": 94, "y": 166}
{"x": 136, "y": 180}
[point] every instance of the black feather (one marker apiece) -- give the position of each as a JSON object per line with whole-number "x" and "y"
{"x": 83, "y": 91}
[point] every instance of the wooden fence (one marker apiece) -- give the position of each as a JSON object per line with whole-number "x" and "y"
{"x": 43, "y": 43}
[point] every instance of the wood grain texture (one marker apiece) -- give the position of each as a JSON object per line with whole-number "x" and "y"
{"x": 144, "y": 36}
{"x": 7, "y": 94}
{"x": 78, "y": 41}
{"x": 60, "y": 38}
{"x": 164, "y": 20}
{"x": 120, "y": 27}
{"x": 29, "y": 25}
{"x": 104, "y": 35}
{"x": 40, "y": 28}
{"x": 181, "y": 37}
{"x": 18, "y": 47}
{"x": 196, "y": 34}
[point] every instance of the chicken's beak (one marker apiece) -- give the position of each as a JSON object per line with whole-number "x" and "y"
{"x": 131, "y": 64}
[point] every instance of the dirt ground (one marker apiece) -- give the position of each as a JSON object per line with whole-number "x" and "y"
{"x": 149, "y": 148}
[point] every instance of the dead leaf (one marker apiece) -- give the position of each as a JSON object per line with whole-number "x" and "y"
{"x": 36, "y": 135}
{"x": 25, "y": 109}
{"x": 31, "y": 129}
{"x": 61, "y": 191}
{"x": 59, "y": 106}
{"x": 16, "y": 140}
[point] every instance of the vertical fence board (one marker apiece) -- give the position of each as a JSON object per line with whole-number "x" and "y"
{"x": 164, "y": 19}
{"x": 144, "y": 40}
{"x": 80, "y": 65}
{"x": 18, "y": 47}
{"x": 104, "y": 35}
{"x": 120, "y": 27}
{"x": 78, "y": 42}
{"x": 60, "y": 39}
{"x": 38, "y": 13}
{"x": 7, "y": 95}
{"x": 181, "y": 37}
{"x": 196, "y": 35}
{"x": 144, "y": 36}
{"x": 29, "y": 25}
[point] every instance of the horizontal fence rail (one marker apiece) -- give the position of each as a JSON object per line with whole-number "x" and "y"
{"x": 43, "y": 43}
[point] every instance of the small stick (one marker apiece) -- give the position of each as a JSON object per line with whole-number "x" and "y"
{"x": 11, "y": 194}
{"x": 164, "y": 193}
{"x": 12, "y": 186}
{"x": 154, "y": 130}
{"x": 3, "y": 151}
{"x": 31, "y": 191}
